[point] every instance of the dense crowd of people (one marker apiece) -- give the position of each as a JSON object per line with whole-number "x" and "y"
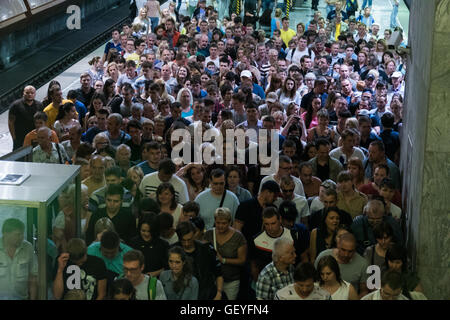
{"x": 330, "y": 93}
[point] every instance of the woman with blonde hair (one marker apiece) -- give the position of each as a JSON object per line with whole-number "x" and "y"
{"x": 275, "y": 23}
{"x": 163, "y": 92}
{"x": 112, "y": 72}
{"x": 231, "y": 248}
{"x": 142, "y": 24}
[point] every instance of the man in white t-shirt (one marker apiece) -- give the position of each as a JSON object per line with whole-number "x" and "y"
{"x": 303, "y": 287}
{"x": 391, "y": 288}
{"x": 284, "y": 169}
{"x": 165, "y": 173}
{"x": 213, "y": 56}
{"x": 294, "y": 55}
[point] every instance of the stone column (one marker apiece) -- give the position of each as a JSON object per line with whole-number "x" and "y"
{"x": 425, "y": 150}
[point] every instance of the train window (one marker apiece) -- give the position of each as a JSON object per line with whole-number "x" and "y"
{"x": 11, "y": 8}
{"x": 38, "y": 3}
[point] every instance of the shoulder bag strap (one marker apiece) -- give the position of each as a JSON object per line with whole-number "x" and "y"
{"x": 59, "y": 153}
{"x": 223, "y": 198}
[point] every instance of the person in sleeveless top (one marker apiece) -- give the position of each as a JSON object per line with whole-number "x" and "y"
{"x": 321, "y": 130}
{"x": 376, "y": 254}
{"x": 331, "y": 281}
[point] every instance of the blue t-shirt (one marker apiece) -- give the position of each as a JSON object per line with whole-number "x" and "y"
{"x": 209, "y": 203}
{"x": 146, "y": 168}
{"x": 115, "y": 265}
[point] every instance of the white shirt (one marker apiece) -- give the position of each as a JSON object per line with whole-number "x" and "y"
{"x": 337, "y": 153}
{"x": 376, "y": 295}
{"x": 298, "y": 184}
{"x": 300, "y": 203}
{"x": 151, "y": 182}
{"x": 297, "y": 55}
{"x": 289, "y": 293}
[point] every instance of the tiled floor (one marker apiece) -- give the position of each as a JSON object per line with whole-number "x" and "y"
{"x": 302, "y": 12}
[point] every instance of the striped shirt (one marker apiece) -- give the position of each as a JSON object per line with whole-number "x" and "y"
{"x": 151, "y": 182}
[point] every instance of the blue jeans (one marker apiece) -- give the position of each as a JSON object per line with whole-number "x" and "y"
{"x": 394, "y": 17}
{"x": 154, "y": 22}
{"x": 365, "y": 3}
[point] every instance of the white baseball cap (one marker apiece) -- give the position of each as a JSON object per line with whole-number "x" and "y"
{"x": 396, "y": 74}
{"x": 247, "y": 74}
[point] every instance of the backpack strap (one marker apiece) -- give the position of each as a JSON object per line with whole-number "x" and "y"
{"x": 151, "y": 289}
{"x": 292, "y": 53}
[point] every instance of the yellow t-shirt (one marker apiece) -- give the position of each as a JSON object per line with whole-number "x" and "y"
{"x": 286, "y": 36}
{"x": 338, "y": 31}
{"x": 52, "y": 113}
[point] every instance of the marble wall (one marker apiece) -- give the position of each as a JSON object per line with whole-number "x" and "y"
{"x": 426, "y": 145}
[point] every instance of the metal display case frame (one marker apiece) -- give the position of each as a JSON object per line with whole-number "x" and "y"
{"x": 38, "y": 191}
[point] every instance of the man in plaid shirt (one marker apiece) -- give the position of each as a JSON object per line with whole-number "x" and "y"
{"x": 279, "y": 273}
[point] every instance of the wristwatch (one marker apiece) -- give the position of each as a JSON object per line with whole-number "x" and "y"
{"x": 224, "y": 260}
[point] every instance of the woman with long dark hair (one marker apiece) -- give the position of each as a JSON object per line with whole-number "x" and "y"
{"x": 66, "y": 119}
{"x": 322, "y": 237}
{"x": 233, "y": 178}
{"x": 310, "y": 116}
{"x": 331, "y": 280}
{"x": 109, "y": 90}
{"x": 122, "y": 289}
{"x": 48, "y": 99}
{"x": 288, "y": 93}
{"x": 165, "y": 197}
{"x": 155, "y": 249}
{"x": 179, "y": 282}
{"x": 194, "y": 176}
{"x": 97, "y": 102}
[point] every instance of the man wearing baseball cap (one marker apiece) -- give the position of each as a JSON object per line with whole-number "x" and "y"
{"x": 398, "y": 85}
{"x": 247, "y": 79}
{"x": 264, "y": 109}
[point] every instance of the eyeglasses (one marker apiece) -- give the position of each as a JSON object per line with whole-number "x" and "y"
{"x": 287, "y": 190}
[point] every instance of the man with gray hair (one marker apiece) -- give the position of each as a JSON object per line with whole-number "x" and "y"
{"x": 48, "y": 151}
{"x": 114, "y": 132}
{"x": 279, "y": 273}
{"x": 363, "y": 226}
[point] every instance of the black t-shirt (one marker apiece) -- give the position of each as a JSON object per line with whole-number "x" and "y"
{"x": 92, "y": 271}
{"x": 124, "y": 223}
{"x": 250, "y": 6}
{"x": 85, "y": 98}
{"x": 250, "y": 213}
{"x": 323, "y": 172}
{"x": 23, "y": 115}
{"x": 155, "y": 253}
{"x": 136, "y": 151}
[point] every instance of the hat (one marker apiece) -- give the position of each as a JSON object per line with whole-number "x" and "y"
{"x": 247, "y": 74}
{"x": 396, "y": 74}
{"x": 329, "y": 184}
{"x": 271, "y": 97}
{"x": 270, "y": 185}
{"x": 364, "y": 112}
{"x": 370, "y": 77}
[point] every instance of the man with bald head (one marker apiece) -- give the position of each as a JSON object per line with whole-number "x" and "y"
{"x": 47, "y": 151}
{"x": 363, "y": 226}
{"x": 353, "y": 267}
{"x": 96, "y": 180}
{"x": 20, "y": 117}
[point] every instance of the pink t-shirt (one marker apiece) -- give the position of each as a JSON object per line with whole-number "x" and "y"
{"x": 314, "y": 121}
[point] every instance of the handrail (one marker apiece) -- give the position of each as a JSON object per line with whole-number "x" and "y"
{"x": 23, "y": 154}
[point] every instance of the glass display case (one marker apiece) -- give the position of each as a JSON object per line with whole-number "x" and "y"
{"x": 33, "y": 202}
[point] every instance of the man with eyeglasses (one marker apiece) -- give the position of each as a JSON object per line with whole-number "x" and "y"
{"x": 353, "y": 266}
{"x": 214, "y": 197}
{"x": 391, "y": 288}
{"x": 284, "y": 169}
{"x": 133, "y": 266}
{"x": 287, "y": 186}
{"x": 363, "y": 226}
